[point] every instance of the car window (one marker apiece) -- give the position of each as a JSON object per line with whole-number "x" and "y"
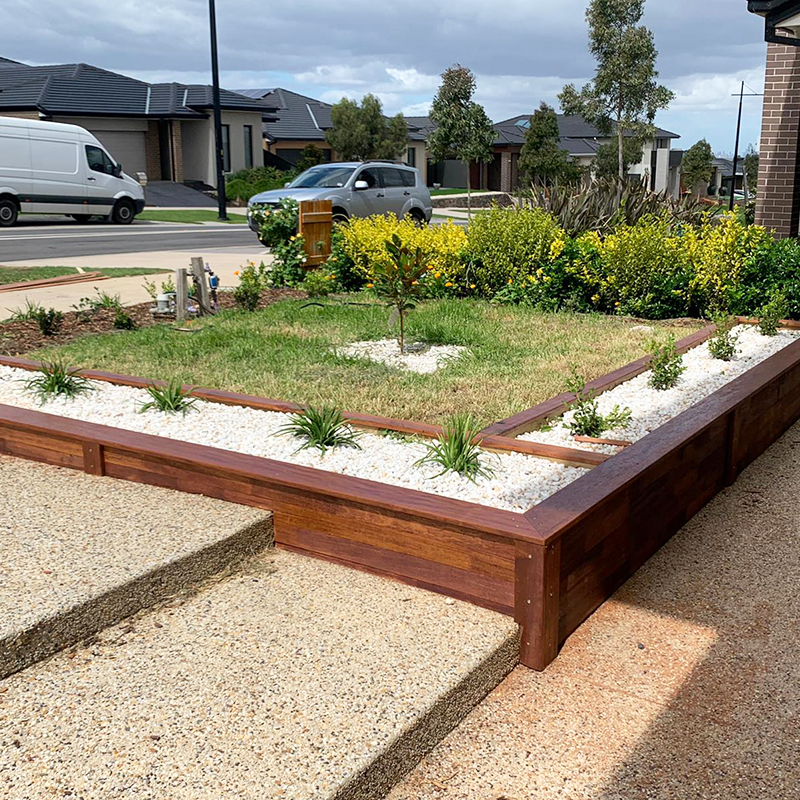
{"x": 98, "y": 160}
{"x": 392, "y": 178}
{"x": 371, "y": 176}
{"x": 322, "y": 178}
{"x": 409, "y": 178}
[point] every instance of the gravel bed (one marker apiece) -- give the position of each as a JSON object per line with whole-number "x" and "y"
{"x": 651, "y": 408}
{"x": 518, "y": 483}
{"x": 417, "y": 357}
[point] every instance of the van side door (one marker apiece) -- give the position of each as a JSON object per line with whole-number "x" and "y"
{"x": 397, "y": 193}
{"x": 15, "y": 163}
{"x": 57, "y": 175}
{"x": 102, "y": 184}
{"x": 369, "y": 201}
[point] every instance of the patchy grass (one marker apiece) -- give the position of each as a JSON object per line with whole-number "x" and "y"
{"x": 19, "y": 274}
{"x": 518, "y": 357}
{"x": 191, "y": 215}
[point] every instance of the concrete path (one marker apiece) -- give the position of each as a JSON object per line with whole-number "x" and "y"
{"x": 291, "y": 678}
{"x": 225, "y": 262}
{"x": 685, "y": 685}
{"x": 78, "y": 554}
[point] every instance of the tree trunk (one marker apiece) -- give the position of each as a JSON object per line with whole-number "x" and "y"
{"x": 469, "y": 190}
{"x": 620, "y": 148}
{"x": 402, "y": 333}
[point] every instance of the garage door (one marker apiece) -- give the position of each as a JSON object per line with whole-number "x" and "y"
{"x": 127, "y": 147}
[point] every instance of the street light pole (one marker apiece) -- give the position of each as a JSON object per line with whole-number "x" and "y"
{"x": 742, "y": 95}
{"x": 222, "y": 199}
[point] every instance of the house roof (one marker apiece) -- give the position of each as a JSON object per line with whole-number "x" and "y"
{"x": 299, "y": 117}
{"x": 83, "y": 90}
{"x": 725, "y": 166}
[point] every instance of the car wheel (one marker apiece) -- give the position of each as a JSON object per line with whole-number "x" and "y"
{"x": 418, "y": 218}
{"x": 81, "y": 217}
{"x": 123, "y": 212}
{"x": 8, "y": 213}
{"x": 340, "y": 218}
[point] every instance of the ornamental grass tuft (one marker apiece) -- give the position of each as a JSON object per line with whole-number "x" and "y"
{"x": 56, "y": 379}
{"x": 322, "y": 428}
{"x": 457, "y": 450}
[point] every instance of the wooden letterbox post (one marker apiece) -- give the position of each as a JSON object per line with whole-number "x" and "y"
{"x": 315, "y": 224}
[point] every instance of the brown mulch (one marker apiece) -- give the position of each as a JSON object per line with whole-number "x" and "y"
{"x": 18, "y": 338}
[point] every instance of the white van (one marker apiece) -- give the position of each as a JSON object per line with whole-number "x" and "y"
{"x": 53, "y": 168}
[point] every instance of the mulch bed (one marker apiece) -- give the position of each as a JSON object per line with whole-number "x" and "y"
{"x": 18, "y": 338}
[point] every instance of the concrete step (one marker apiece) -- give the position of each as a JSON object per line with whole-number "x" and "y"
{"x": 78, "y": 553}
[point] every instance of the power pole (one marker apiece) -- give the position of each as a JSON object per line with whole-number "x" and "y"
{"x": 222, "y": 199}
{"x": 741, "y": 95}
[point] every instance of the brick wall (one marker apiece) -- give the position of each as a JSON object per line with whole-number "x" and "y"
{"x": 778, "y": 204}
{"x": 506, "y": 184}
{"x": 153, "y": 152}
{"x": 177, "y": 151}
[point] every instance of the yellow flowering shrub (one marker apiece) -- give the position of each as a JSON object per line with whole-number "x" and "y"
{"x": 511, "y": 244}
{"x": 718, "y": 253}
{"x": 443, "y": 246}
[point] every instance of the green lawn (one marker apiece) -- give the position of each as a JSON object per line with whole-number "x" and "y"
{"x": 19, "y": 274}
{"x": 191, "y": 215}
{"x": 518, "y": 357}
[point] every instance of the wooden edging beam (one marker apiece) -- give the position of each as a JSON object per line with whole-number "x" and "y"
{"x": 59, "y": 280}
{"x": 576, "y": 457}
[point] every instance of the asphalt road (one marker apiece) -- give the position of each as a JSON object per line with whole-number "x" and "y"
{"x": 37, "y": 239}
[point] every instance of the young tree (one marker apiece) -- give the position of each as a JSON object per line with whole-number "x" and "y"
{"x": 606, "y": 162}
{"x": 751, "y": 163}
{"x": 463, "y": 130}
{"x": 310, "y": 156}
{"x": 697, "y": 167}
{"x": 360, "y": 132}
{"x": 624, "y": 95}
{"x": 542, "y": 160}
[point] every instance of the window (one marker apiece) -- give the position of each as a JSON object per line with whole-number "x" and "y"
{"x": 411, "y": 157}
{"x": 226, "y": 148}
{"x": 98, "y": 160}
{"x": 409, "y": 178}
{"x": 392, "y": 178}
{"x": 662, "y": 144}
{"x": 248, "y": 146}
{"x": 323, "y": 178}
{"x": 371, "y": 176}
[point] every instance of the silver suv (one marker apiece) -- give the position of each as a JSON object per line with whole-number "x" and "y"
{"x": 356, "y": 189}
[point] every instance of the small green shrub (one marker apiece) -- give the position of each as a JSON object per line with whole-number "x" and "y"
{"x": 398, "y": 281}
{"x": 666, "y": 365}
{"x": 772, "y": 268}
{"x": 123, "y": 321}
{"x": 287, "y": 265}
{"x": 587, "y": 419}
{"x": 56, "y": 379}
{"x": 457, "y": 450}
{"x": 722, "y": 345}
{"x": 769, "y": 319}
{"x": 49, "y": 321}
{"x": 342, "y": 266}
{"x": 319, "y": 283}
{"x": 171, "y": 398}
{"x": 27, "y": 314}
{"x": 321, "y": 428}
{"x": 277, "y": 224}
{"x": 248, "y": 293}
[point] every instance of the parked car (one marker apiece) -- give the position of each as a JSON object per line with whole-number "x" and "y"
{"x": 54, "y": 168}
{"x": 356, "y": 189}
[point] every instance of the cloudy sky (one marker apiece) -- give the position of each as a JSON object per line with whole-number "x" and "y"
{"x": 522, "y": 51}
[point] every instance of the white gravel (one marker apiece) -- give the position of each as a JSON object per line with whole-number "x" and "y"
{"x": 519, "y": 481}
{"x": 417, "y": 357}
{"x": 651, "y": 408}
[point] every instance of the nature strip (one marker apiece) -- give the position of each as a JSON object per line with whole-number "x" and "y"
{"x": 584, "y": 459}
{"x": 78, "y": 277}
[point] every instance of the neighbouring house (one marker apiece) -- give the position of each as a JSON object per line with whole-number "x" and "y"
{"x": 299, "y": 121}
{"x": 722, "y": 178}
{"x": 164, "y": 130}
{"x": 778, "y": 203}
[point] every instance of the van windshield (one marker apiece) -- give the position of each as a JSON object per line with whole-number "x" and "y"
{"x": 322, "y": 178}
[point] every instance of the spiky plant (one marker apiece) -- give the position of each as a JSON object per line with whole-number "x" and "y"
{"x": 457, "y": 449}
{"x": 56, "y": 379}
{"x": 172, "y": 398}
{"x": 321, "y": 428}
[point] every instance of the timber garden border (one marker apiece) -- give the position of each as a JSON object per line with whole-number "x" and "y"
{"x": 550, "y": 567}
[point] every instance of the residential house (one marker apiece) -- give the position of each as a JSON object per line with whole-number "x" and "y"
{"x": 164, "y": 130}
{"x": 300, "y": 121}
